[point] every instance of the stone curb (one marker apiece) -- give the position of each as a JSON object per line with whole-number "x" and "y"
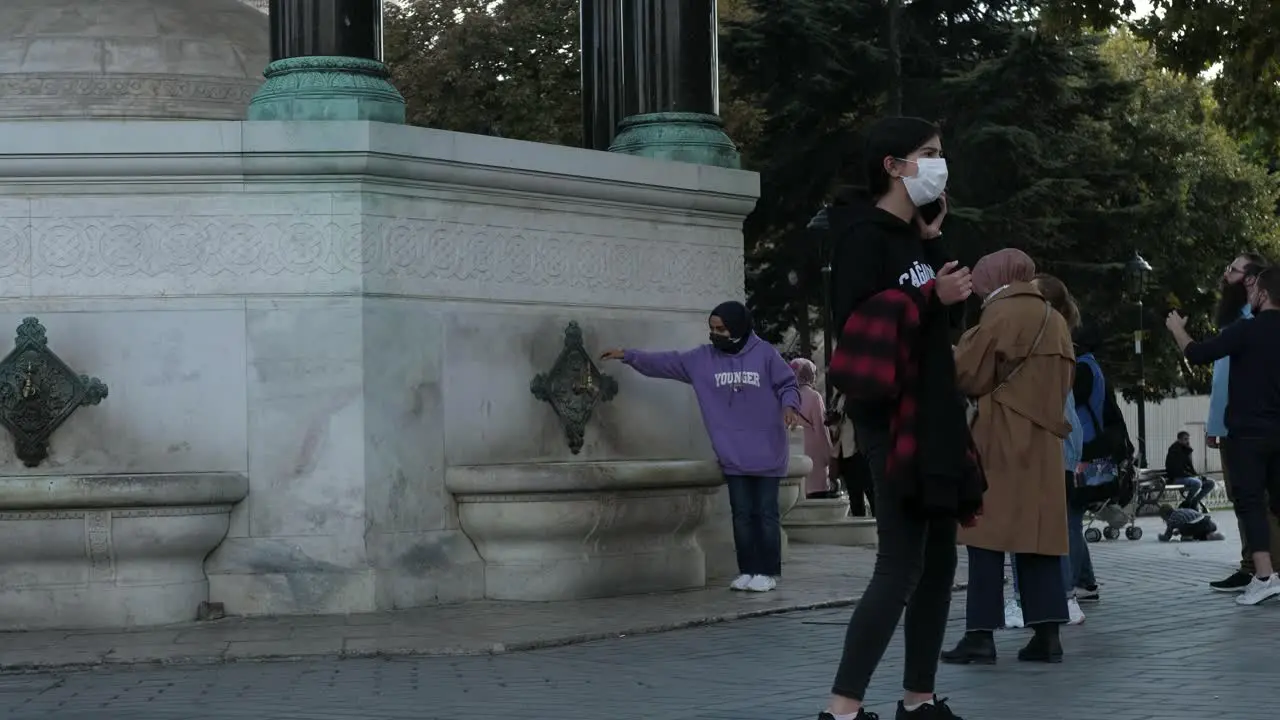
{"x": 106, "y": 662}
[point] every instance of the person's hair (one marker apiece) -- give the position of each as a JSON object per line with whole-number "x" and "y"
{"x": 1253, "y": 263}
{"x": 1056, "y": 292}
{"x": 1183, "y": 433}
{"x": 1269, "y": 282}
{"x": 1165, "y": 511}
{"x": 895, "y": 137}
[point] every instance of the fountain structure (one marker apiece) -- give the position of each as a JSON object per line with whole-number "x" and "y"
{"x": 350, "y": 361}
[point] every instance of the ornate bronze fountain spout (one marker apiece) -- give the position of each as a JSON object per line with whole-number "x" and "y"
{"x": 38, "y": 392}
{"x": 573, "y": 387}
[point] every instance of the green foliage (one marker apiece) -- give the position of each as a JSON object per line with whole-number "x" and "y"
{"x": 507, "y": 68}
{"x": 1079, "y": 148}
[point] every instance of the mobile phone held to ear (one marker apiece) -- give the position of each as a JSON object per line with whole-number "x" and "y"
{"x": 930, "y": 211}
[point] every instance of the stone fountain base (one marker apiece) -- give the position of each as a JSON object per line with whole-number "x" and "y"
{"x": 826, "y": 521}
{"x": 97, "y": 551}
{"x": 567, "y": 531}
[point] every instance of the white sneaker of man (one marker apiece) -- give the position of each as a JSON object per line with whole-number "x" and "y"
{"x": 741, "y": 582}
{"x": 1012, "y": 614}
{"x": 1260, "y": 590}
{"x": 762, "y": 583}
{"x": 1075, "y": 615}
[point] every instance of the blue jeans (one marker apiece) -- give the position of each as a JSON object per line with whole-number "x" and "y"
{"x": 1065, "y": 564}
{"x": 1196, "y": 489}
{"x": 757, "y": 532}
{"x": 1081, "y": 563}
{"x": 1077, "y": 567}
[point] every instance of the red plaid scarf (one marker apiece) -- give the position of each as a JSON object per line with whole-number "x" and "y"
{"x": 875, "y": 360}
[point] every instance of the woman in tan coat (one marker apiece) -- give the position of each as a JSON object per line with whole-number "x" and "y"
{"x": 1017, "y": 365}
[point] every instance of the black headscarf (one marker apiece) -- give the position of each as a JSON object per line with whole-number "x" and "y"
{"x": 737, "y": 320}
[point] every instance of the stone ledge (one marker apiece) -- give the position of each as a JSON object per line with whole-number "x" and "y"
{"x": 815, "y": 577}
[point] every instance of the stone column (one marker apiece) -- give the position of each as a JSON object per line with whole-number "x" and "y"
{"x": 602, "y": 106}
{"x": 671, "y": 83}
{"x": 326, "y": 64}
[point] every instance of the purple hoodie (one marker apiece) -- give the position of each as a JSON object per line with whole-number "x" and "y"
{"x": 742, "y": 397}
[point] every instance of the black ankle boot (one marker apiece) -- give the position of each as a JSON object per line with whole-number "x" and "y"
{"x": 977, "y": 647}
{"x": 1045, "y": 645}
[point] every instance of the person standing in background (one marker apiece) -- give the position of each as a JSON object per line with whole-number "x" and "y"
{"x": 1016, "y": 363}
{"x": 1233, "y": 306}
{"x": 1253, "y": 420}
{"x": 851, "y": 467}
{"x": 817, "y": 444}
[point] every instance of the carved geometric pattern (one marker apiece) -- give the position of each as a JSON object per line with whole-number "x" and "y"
{"x": 75, "y": 95}
{"x": 406, "y": 252}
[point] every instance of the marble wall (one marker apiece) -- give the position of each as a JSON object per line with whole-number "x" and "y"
{"x": 343, "y": 310}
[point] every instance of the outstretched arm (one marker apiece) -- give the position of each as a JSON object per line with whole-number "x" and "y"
{"x": 668, "y": 365}
{"x": 1208, "y": 350}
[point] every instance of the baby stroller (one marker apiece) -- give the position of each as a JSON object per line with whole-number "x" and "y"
{"x": 1108, "y": 491}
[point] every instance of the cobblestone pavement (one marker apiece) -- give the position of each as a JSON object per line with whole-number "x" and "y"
{"x": 1159, "y": 645}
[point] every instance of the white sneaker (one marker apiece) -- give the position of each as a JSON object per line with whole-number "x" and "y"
{"x": 741, "y": 582}
{"x": 1260, "y": 590}
{"x": 762, "y": 583}
{"x": 1075, "y": 615}
{"x": 1012, "y": 614}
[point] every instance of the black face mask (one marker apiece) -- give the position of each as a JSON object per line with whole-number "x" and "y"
{"x": 727, "y": 344}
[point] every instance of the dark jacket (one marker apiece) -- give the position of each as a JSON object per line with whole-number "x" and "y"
{"x": 1177, "y": 462}
{"x": 878, "y": 362}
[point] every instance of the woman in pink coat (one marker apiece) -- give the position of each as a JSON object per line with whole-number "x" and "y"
{"x": 817, "y": 444}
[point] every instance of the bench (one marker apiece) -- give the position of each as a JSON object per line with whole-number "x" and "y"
{"x": 1152, "y": 490}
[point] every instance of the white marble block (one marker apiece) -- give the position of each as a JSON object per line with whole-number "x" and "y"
{"x": 346, "y": 313}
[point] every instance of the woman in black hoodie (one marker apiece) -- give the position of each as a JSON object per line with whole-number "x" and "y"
{"x": 882, "y": 242}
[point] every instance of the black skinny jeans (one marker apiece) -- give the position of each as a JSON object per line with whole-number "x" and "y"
{"x": 915, "y": 569}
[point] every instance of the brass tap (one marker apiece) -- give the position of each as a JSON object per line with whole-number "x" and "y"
{"x": 29, "y": 389}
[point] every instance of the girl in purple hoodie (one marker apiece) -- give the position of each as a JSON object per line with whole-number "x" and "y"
{"x": 749, "y": 399}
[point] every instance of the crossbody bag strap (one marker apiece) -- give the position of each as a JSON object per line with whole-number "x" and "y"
{"x": 1035, "y": 345}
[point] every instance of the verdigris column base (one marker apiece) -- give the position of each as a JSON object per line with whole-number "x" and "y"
{"x": 683, "y": 137}
{"x": 327, "y": 88}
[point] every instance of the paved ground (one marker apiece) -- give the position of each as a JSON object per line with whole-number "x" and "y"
{"x": 1158, "y": 646}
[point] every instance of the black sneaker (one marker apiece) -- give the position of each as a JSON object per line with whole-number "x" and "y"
{"x": 936, "y": 710}
{"x": 862, "y": 715}
{"x": 1234, "y": 584}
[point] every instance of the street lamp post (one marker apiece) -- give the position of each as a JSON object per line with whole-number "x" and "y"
{"x": 820, "y": 226}
{"x": 1137, "y": 271}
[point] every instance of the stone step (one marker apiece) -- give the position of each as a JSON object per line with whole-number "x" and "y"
{"x": 826, "y": 521}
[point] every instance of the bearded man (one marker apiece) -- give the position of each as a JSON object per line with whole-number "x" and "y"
{"x": 1233, "y": 306}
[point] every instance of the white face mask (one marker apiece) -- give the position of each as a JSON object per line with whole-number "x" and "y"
{"x": 929, "y": 181}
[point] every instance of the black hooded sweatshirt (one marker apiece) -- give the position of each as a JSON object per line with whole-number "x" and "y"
{"x": 873, "y": 250}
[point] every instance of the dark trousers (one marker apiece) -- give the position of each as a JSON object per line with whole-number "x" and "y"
{"x": 1246, "y": 553}
{"x": 1254, "y": 464}
{"x": 1040, "y": 589}
{"x": 757, "y": 534}
{"x": 1199, "y": 530}
{"x": 915, "y": 570}
{"x": 855, "y": 475}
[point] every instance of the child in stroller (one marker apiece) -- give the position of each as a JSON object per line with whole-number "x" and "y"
{"x": 1108, "y": 488}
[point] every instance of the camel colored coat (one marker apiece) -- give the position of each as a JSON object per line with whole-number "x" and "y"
{"x": 1020, "y": 427}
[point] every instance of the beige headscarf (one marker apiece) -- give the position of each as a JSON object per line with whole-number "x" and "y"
{"x": 1001, "y": 268}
